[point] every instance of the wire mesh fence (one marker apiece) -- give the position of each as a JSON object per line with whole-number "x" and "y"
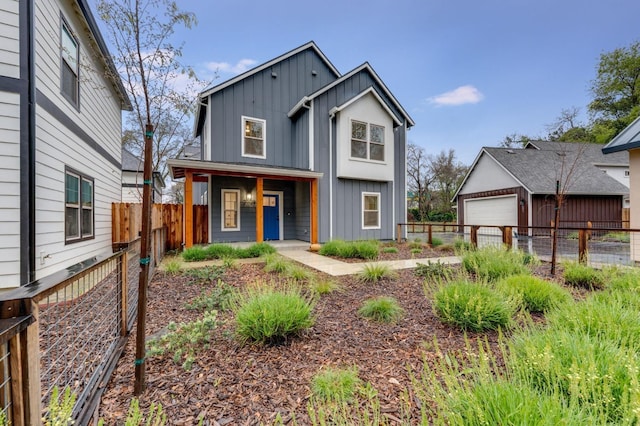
{"x": 611, "y": 243}
{"x": 5, "y": 385}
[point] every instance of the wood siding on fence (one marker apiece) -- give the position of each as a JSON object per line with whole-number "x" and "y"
{"x": 127, "y": 224}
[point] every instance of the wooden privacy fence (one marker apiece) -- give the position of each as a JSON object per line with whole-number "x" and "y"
{"x": 126, "y": 223}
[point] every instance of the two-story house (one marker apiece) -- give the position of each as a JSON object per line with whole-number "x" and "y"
{"x": 60, "y": 131}
{"x": 293, "y": 149}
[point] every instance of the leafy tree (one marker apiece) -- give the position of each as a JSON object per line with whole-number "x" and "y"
{"x": 162, "y": 90}
{"x": 567, "y": 128}
{"x": 515, "y": 140}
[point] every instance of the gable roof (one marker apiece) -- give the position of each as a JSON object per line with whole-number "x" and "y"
{"x": 310, "y": 45}
{"x": 364, "y": 67}
{"x": 113, "y": 74}
{"x": 540, "y": 164}
{"x": 131, "y": 163}
{"x": 627, "y": 139}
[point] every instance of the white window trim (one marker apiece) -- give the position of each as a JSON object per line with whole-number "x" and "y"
{"x": 264, "y": 137}
{"x": 362, "y": 210}
{"x": 222, "y": 209}
{"x": 368, "y": 141}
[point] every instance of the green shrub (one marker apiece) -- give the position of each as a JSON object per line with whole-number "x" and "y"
{"x": 493, "y": 263}
{"x": 331, "y": 248}
{"x": 267, "y": 315}
{"x": 323, "y": 285}
{"x": 219, "y": 297}
{"x": 173, "y": 266}
{"x": 381, "y": 309}
{"x": 185, "y": 340}
{"x": 579, "y": 275}
{"x": 390, "y": 250}
{"x": 433, "y": 270}
{"x": 219, "y": 251}
{"x": 471, "y": 306}
{"x": 194, "y": 254}
{"x": 536, "y": 294}
{"x": 299, "y": 273}
{"x": 349, "y": 250}
{"x": 627, "y": 280}
{"x": 415, "y": 245}
{"x": 435, "y": 242}
{"x": 255, "y": 250}
{"x": 60, "y": 408}
{"x": 206, "y": 275}
{"x": 375, "y": 272}
{"x": 622, "y": 237}
{"x": 415, "y": 251}
{"x": 367, "y": 250}
{"x": 335, "y": 384}
{"x": 460, "y": 245}
{"x": 276, "y": 263}
{"x": 135, "y": 417}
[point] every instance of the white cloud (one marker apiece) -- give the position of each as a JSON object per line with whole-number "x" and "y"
{"x": 227, "y": 68}
{"x": 460, "y": 96}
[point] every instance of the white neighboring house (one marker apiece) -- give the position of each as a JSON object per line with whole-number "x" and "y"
{"x": 61, "y": 102}
{"x": 132, "y": 180}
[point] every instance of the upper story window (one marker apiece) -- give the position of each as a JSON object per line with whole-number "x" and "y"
{"x": 367, "y": 141}
{"x": 254, "y": 139}
{"x": 78, "y": 195}
{"x": 69, "y": 52}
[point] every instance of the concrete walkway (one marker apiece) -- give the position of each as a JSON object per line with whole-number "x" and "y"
{"x": 335, "y": 267}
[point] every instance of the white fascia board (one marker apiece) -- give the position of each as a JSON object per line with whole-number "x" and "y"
{"x": 361, "y": 95}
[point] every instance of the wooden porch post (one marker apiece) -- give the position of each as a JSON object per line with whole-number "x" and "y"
{"x": 259, "y": 210}
{"x": 188, "y": 210}
{"x": 314, "y": 212}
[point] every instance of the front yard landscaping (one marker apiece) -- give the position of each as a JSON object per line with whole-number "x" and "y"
{"x": 491, "y": 341}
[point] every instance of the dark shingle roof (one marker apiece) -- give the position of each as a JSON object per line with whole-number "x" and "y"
{"x": 573, "y": 164}
{"x": 131, "y": 163}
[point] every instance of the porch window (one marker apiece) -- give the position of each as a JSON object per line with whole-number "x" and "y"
{"x": 253, "y": 137}
{"x": 79, "y": 218}
{"x": 370, "y": 210}
{"x": 69, "y": 64}
{"x": 367, "y": 141}
{"x": 230, "y": 210}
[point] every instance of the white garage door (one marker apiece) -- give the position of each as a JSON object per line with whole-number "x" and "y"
{"x": 500, "y": 211}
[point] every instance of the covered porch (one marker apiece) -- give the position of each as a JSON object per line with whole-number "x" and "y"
{"x": 201, "y": 171}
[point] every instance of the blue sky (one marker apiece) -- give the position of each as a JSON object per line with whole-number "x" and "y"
{"x": 468, "y": 72}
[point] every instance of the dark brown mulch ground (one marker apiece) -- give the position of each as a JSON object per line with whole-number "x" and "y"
{"x": 247, "y": 384}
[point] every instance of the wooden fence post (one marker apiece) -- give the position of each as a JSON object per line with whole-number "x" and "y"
{"x": 507, "y": 236}
{"x": 124, "y": 270}
{"x": 474, "y": 236}
{"x": 399, "y": 233}
{"x": 429, "y": 234}
{"x": 582, "y": 245}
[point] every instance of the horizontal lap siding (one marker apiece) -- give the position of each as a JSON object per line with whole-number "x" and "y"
{"x": 9, "y": 39}
{"x": 60, "y": 143}
{"x": 9, "y": 190}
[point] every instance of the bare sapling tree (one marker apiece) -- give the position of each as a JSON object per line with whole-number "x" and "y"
{"x": 419, "y": 178}
{"x": 140, "y": 32}
{"x": 568, "y": 171}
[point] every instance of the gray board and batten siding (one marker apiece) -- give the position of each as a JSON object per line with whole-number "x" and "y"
{"x": 268, "y": 95}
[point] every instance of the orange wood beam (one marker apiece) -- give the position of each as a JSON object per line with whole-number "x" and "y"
{"x": 259, "y": 211}
{"x": 314, "y": 211}
{"x": 188, "y": 210}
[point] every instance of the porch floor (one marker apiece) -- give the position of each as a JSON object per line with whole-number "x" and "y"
{"x": 299, "y": 251}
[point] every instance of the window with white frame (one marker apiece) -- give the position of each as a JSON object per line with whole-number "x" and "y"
{"x": 370, "y": 210}
{"x": 230, "y": 210}
{"x": 254, "y": 139}
{"x": 69, "y": 52}
{"x": 79, "y": 218}
{"x": 367, "y": 141}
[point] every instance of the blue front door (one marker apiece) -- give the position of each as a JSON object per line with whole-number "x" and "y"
{"x": 271, "y": 217}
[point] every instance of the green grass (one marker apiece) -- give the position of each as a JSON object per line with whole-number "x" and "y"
{"x": 579, "y": 275}
{"x": 471, "y": 306}
{"x": 367, "y": 250}
{"x": 264, "y": 314}
{"x": 173, "y": 267}
{"x": 435, "y": 242}
{"x": 621, "y": 237}
{"x": 322, "y": 286}
{"x": 375, "y": 272}
{"x": 434, "y": 271}
{"x": 461, "y": 246}
{"x": 390, "y": 250}
{"x": 493, "y": 263}
{"x": 276, "y": 263}
{"x": 335, "y": 384}
{"x": 222, "y": 251}
{"x": 536, "y": 294}
{"x": 381, "y": 309}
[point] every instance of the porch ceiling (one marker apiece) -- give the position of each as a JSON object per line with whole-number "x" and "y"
{"x": 201, "y": 169}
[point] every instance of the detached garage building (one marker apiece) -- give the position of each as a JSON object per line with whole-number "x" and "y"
{"x": 516, "y": 187}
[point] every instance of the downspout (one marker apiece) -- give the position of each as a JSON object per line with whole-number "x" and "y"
{"x": 312, "y": 141}
{"x": 27, "y": 145}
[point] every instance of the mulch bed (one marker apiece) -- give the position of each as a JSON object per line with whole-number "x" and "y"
{"x": 404, "y": 252}
{"x": 237, "y": 384}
